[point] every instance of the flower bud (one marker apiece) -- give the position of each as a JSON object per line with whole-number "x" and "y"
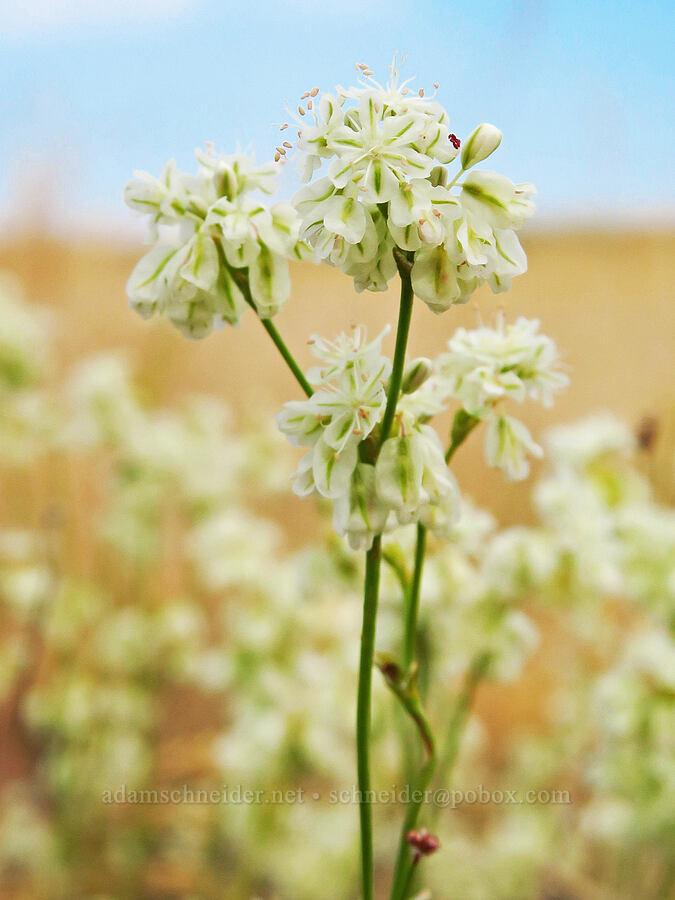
{"x": 439, "y": 175}
{"x": 416, "y": 373}
{"x": 480, "y": 144}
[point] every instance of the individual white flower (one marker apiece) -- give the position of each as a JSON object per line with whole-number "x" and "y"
{"x": 485, "y": 365}
{"x": 519, "y": 559}
{"x": 497, "y": 199}
{"x": 579, "y": 443}
{"x": 175, "y": 198}
{"x": 412, "y": 477}
{"x": 349, "y": 350}
{"x": 188, "y": 284}
{"x": 359, "y": 513}
{"x": 506, "y": 447}
{"x": 377, "y": 151}
{"x": 480, "y": 144}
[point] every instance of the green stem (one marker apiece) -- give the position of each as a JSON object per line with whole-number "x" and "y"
{"x": 462, "y": 426}
{"x": 287, "y": 355}
{"x": 413, "y": 600}
{"x": 402, "y": 330}
{"x": 406, "y": 691}
{"x": 240, "y": 276}
{"x": 370, "y": 598}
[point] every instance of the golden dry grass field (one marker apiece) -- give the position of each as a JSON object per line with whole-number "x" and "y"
{"x": 605, "y": 297}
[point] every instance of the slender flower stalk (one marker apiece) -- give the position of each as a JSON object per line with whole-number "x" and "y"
{"x": 402, "y": 331}
{"x": 413, "y": 600}
{"x": 370, "y": 600}
{"x": 242, "y": 281}
{"x": 404, "y": 686}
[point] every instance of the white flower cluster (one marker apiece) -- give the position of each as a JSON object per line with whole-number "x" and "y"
{"x": 222, "y": 228}
{"x": 485, "y": 366}
{"x": 386, "y": 185}
{"x": 406, "y": 481}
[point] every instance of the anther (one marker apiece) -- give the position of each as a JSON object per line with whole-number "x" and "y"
{"x": 454, "y": 140}
{"x": 314, "y": 92}
{"x": 301, "y": 110}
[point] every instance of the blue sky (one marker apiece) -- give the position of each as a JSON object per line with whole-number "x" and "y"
{"x": 91, "y": 90}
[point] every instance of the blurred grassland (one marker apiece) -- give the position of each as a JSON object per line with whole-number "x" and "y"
{"x": 606, "y": 298}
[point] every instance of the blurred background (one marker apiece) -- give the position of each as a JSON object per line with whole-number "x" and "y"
{"x": 128, "y": 657}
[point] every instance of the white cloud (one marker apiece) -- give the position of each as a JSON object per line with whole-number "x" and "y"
{"x": 37, "y": 18}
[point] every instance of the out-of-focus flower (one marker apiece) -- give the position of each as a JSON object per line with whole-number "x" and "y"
{"x": 485, "y": 365}
{"x": 506, "y": 447}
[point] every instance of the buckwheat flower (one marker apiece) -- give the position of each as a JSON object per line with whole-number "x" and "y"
{"x": 175, "y": 198}
{"x": 349, "y": 402}
{"x": 506, "y": 447}
{"x": 314, "y": 139}
{"x": 412, "y": 476}
{"x": 345, "y": 352}
{"x": 188, "y": 284}
{"x": 376, "y": 151}
{"x": 359, "y": 513}
{"x": 386, "y": 186}
{"x": 485, "y": 365}
{"x": 236, "y": 174}
{"x": 480, "y": 144}
{"x": 222, "y": 226}
{"x": 497, "y": 199}
{"x": 399, "y": 100}
{"x": 435, "y": 279}
{"x": 577, "y": 444}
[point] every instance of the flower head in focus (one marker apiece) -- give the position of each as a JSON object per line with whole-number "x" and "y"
{"x": 373, "y": 488}
{"x": 385, "y": 185}
{"x": 221, "y": 229}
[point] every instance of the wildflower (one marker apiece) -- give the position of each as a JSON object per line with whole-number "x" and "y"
{"x": 386, "y": 186}
{"x": 480, "y": 144}
{"x": 412, "y": 478}
{"x": 349, "y": 402}
{"x": 506, "y": 445}
{"x": 221, "y": 226}
{"x": 485, "y": 365}
{"x": 359, "y": 513}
